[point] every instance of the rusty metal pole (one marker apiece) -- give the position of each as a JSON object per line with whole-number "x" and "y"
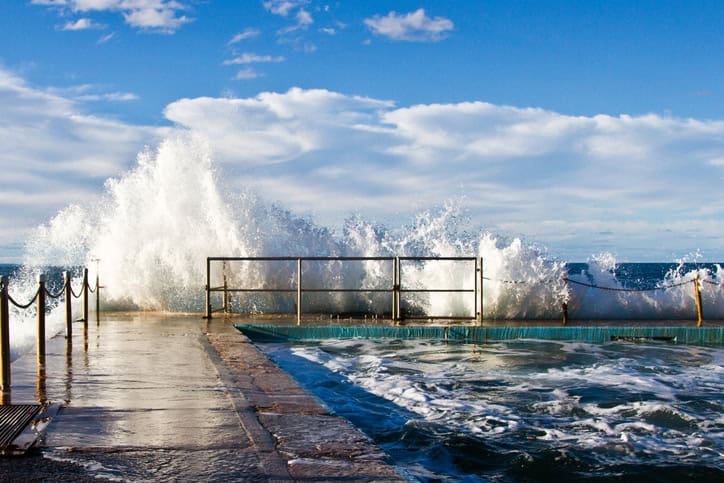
{"x": 4, "y": 337}
{"x": 699, "y": 309}
{"x": 299, "y": 291}
{"x": 564, "y": 308}
{"x": 41, "y": 320}
{"x": 68, "y": 306}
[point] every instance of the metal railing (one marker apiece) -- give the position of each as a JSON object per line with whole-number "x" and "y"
{"x": 395, "y": 290}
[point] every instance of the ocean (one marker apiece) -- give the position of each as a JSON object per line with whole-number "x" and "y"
{"x": 443, "y": 411}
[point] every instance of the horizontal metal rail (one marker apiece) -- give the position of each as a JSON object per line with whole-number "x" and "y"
{"x": 395, "y": 290}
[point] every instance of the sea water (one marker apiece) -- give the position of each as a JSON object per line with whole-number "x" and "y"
{"x": 500, "y": 411}
{"x": 525, "y": 410}
{"x": 148, "y": 234}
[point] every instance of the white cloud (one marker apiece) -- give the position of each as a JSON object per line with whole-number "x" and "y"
{"x": 247, "y": 73}
{"x": 560, "y": 179}
{"x": 283, "y": 7}
{"x": 152, "y": 15}
{"x": 248, "y": 33}
{"x": 106, "y": 38}
{"x": 415, "y": 26}
{"x": 53, "y": 153}
{"x": 82, "y": 24}
{"x": 250, "y": 58}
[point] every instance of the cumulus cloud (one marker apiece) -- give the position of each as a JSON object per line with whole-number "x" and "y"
{"x": 555, "y": 177}
{"x": 413, "y": 27}
{"x": 54, "y": 154}
{"x": 152, "y": 15}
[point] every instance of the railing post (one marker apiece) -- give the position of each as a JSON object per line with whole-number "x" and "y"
{"x": 85, "y": 296}
{"x": 299, "y": 291}
{"x": 98, "y": 297}
{"x": 394, "y": 289}
{"x": 68, "y": 306}
{"x": 41, "y": 320}
{"x": 564, "y": 309}
{"x": 699, "y": 309}
{"x": 208, "y": 288}
{"x": 4, "y": 336}
{"x": 226, "y": 296}
{"x": 480, "y": 292}
{"x": 397, "y": 316}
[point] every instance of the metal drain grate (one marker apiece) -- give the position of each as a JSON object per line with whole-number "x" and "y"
{"x": 13, "y": 420}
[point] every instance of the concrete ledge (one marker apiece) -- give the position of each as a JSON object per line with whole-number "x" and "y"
{"x": 312, "y": 443}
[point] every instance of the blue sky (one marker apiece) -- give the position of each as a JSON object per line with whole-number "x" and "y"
{"x": 583, "y": 126}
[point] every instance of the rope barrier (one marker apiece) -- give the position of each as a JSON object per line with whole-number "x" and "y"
{"x": 616, "y": 289}
{"x": 612, "y": 289}
{"x": 55, "y": 295}
{"x": 91, "y": 290}
{"x": 80, "y": 292}
{"x": 710, "y": 282}
{"x": 25, "y": 306}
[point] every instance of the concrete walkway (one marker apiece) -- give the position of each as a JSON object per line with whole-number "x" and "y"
{"x": 165, "y": 397}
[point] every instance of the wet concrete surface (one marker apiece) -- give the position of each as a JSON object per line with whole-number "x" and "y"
{"x": 154, "y": 397}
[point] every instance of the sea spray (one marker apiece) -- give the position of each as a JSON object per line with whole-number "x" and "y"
{"x": 149, "y": 234}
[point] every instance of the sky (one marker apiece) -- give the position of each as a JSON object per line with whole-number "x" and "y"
{"x": 584, "y": 127}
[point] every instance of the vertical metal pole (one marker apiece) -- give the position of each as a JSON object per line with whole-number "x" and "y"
{"x": 299, "y": 291}
{"x": 68, "y": 306}
{"x": 4, "y": 337}
{"x": 226, "y": 296}
{"x": 564, "y": 310}
{"x": 98, "y": 296}
{"x": 85, "y": 296}
{"x": 394, "y": 289}
{"x": 208, "y": 288}
{"x": 398, "y": 288}
{"x": 699, "y": 309}
{"x": 481, "y": 293}
{"x": 41, "y": 320}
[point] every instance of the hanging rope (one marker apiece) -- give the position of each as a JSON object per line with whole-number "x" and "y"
{"x": 80, "y": 291}
{"x": 91, "y": 290}
{"x": 21, "y": 306}
{"x": 617, "y": 289}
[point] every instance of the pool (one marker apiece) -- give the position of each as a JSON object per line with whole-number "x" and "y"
{"x": 524, "y": 409}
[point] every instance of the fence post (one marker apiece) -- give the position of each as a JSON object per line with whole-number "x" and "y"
{"x": 398, "y": 291}
{"x": 699, "y": 309}
{"x": 564, "y": 308}
{"x": 68, "y": 306}
{"x": 98, "y": 297}
{"x": 85, "y": 296}
{"x": 299, "y": 291}
{"x": 41, "y": 320}
{"x": 393, "y": 315}
{"x": 4, "y": 337}
{"x": 208, "y": 289}
{"x": 480, "y": 293}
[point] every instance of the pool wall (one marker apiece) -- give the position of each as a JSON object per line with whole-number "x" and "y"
{"x": 678, "y": 335}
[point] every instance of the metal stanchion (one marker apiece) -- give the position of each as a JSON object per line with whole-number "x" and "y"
{"x": 41, "y": 320}
{"x": 68, "y": 306}
{"x": 699, "y": 309}
{"x": 4, "y": 340}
